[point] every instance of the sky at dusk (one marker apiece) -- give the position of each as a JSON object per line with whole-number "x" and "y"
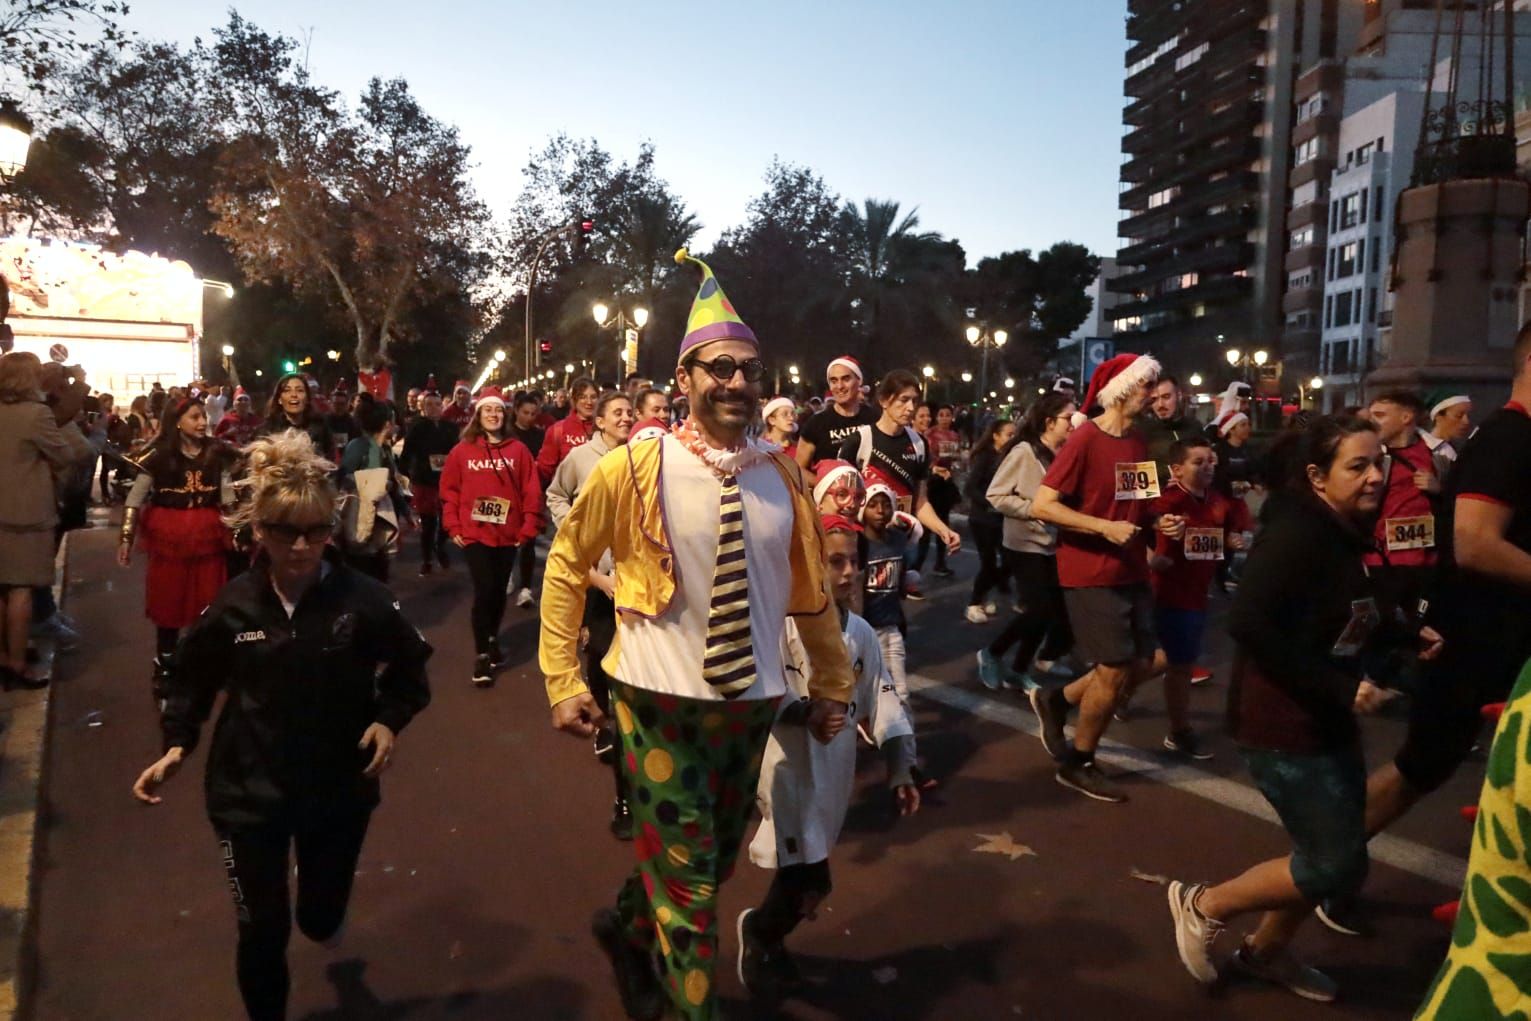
{"x": 999, "y": 119}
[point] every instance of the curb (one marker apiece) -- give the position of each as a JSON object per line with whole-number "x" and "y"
{"x": 23, "y": 748}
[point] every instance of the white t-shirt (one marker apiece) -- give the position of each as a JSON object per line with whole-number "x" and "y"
{"x": 666, "y": 654}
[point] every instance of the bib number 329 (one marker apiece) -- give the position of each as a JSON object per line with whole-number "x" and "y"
{"x": 1137, "y": 480}
{"x": 492, "y": 510}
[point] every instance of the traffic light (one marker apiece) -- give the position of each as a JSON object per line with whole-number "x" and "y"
{"x": 547, "y": 347}
{"x": 583, "y": 230}
{"x": 289, "y": 366}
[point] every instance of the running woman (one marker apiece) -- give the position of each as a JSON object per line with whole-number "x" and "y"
{"x": 321, "y": 672}
{"x": 944, "y": 446}
{"x": 1307, "y": 619}
{"x": 491, "y": 503}
{"x": 987, "y": 523}
{"x": 174, "y": 511}
{"x": 848, "y": 411}
{"x": 426, "y": 446}
{"x": 292, "y": 408}
{"x": 1451, "y": 423}
{"x": 805, "y": 787}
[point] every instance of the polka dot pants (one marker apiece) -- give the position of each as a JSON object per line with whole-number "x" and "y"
{"x": 694, "y": 766}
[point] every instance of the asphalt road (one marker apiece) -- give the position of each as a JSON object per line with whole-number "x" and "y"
{"x": 490, "y": 853}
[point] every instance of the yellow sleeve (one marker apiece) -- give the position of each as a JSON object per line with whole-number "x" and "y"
{"x": 585, "y": 534}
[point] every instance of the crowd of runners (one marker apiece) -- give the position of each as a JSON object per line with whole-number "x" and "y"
{"x": 722, "y": 616}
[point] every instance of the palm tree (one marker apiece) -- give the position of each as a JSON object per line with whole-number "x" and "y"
{"x": 900, "y": 276}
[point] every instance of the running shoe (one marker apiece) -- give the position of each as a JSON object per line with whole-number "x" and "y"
{"x": 1123, "y": 711}
{"x": 990, "y": 673}
{"x": 496, "y": 656}
{"x": 643, "y": 998}
{"x": 1282, "y": 969}
{"x": 1014, "y": 680}
{"x": 991, "y": 608}
{"x": 766, "y": 970}
{"x": 483, "y": 672}
{"x": 1200, "y": 675}
{"x": 1343, "y": 917}
{"x": 605, "y": 744}
{"x": 61, "y": 630}
{"x": 1187, "y": 745}
{"x": 524, "y": 599}
{"x": 1087, "y": 779}
{"x": 976, "y": 615}
{"x": 1194, "y": 932}
{"x": 943, "y": 572}
{"x": 621, "y": 819}
{"x": 425, "y": 568}
{"x": 1052, "y": 711}
{"x": 914, "y": 595}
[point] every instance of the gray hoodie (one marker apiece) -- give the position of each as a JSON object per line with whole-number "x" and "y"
{"x": 1012, "y": 491}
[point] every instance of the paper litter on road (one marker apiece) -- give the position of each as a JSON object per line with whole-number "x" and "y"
{"x": 885, "y": 974}
{"x": 1149, "y": 877}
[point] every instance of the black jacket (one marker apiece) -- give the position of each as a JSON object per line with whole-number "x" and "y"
{"x": 981, "y": 471}
{"x": 316, "y": 427}
{"x": 300, "y": 693}
{"x": 1294, "y": 679}
{"x": 424, "y": 439}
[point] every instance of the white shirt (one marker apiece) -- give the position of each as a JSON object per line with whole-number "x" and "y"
{"x": 666, "y": 654}
{"x": 1438, "y": 446}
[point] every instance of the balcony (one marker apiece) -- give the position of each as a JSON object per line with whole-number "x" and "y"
{"x": 1307, "y": 257}
{"x": 1324, "y": 124}
{"x": 1235, "y": 83}
{"x": 1303, "y": 299}
{"x": 1217, "y": 290}
{"x": 1239, "y": 188}
{"x": 1319, "y": 167}
{"x": 1189, "y": 228}
{"x": 1306, "y": 214}
{"x": 1233, "y": 255}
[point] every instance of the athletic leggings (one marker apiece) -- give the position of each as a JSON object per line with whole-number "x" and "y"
{"x": 256, "y": 861}
{"x": 796, "y": 891}
{"x": 988, "y": 536}
{"x": 601, "y": 626}
{"x": 526, "y": 564}
{"x": 432, "y": 540}
{"x": 165, "y": 640}
{"x": 943, "y": 496}
{"x": 490, "y": 568}
{"x": 1042, "y": 627}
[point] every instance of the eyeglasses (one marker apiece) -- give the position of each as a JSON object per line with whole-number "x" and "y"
{"x": 723, "y": 367}
{"x": 287, "y": 535}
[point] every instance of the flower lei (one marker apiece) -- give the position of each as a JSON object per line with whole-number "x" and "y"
{"x": 724, "y": 463}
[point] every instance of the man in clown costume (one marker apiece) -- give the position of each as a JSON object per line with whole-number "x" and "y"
{"x": 716, "y": 541}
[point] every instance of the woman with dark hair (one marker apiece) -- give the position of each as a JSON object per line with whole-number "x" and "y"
{"x": 322, "y": 672}
{"x": 1307, "y": 620}
{"x": 1041, "y": 629}
{"x": 292, "y": 408}
{"x": 175, "y": 506}
{"x": 491, "y": 503}
{"x": 367, "y": 470}
{"x": 987, "y": 523}
{"x": 944, "y": 445}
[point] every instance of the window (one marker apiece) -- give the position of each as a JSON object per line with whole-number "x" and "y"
{"x": 1332, "y": 256}
{"x": 1190, "y": 57}
{"x": 1361, "y": 256}
{"x": 1371, "y": 305}
{"x": 1163, "y": 198}
{"x": 1377, "y": 206}
{"x": 1376, "y": 254}
{"x": 1305, "y": 152}
{"x": 1334, "y": 216}
{"x": 1345, "y": 260}
{"x": 1302, "y": 237}
{"x": 1328, "y": 310}
{"x": 1342, "y": 308}
{"x": 1364, "y": 154}
{"x": 1350, "y": 211}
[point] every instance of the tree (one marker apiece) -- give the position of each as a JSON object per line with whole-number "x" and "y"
{"x": 1039, "y": 300}
{"x": 902, "y": 280}
{"x": 37, "y": 35}
{"x": 372, "y": 207}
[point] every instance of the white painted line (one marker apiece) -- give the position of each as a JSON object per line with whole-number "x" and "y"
{"x": 1411, "y": 857}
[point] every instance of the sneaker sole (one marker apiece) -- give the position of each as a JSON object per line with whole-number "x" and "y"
{"x": 483, "y": 682}
{"x": 739, "y": 938}
{"x": 1094, "y": 795}
{"x": 1177, "y": 912}
{"x": 1311, "y": 995}
{"x": 1333, "y": 925}
{"x": 1177, "y": 751}
{"x": 984, "y": 680}
{"x": 1035, "y": 696}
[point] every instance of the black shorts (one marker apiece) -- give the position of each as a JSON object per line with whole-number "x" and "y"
{"x": 1113, "y": 626}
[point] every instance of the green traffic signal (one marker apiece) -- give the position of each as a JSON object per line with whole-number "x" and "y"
{"x": 289, "y": 366}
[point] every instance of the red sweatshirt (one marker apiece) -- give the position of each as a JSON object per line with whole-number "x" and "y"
{"x": 483, "y": 484}
{"x": 561, "y": 438}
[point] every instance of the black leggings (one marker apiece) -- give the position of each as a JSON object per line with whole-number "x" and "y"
{"x": 943, "y": 496}
{"x": 796, "y": 891}
{"x": 165, "y": 640}
{"x": 1042, "y": 628}
{"x": 433, "y": 541}
{"x": 256, "y": 861}
{"x": 527, "y": 563}
{"x": 601, "y": 628}
{"x": 987, "y": 535}
{"x": 490, "y": 568}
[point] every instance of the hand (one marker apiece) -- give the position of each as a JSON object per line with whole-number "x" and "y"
{"x": 907, "y": 798}
{"x": 1427, "y": 482}
{"x": 1118, "y": 533}
{"x": 826, "y": 718}
{"x": 606, "y": 583}
{"x": 155, "y": 775}
{"x": 1369, "y": 698}
{"x": 1172, "y": 525}
{"x": 578, "y": 715}
{"x": 944, "y": 473}
{"x": 1431, "y": 643}
{"x": 459, "y": 542}
{"x": 380, "y": 739}
{"x": 1236, "y": 542}
{"x": 124, "y": 554}
{"x": 953, "y": 541}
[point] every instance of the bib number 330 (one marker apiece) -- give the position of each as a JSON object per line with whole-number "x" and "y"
{"x": 1137, "y": 480}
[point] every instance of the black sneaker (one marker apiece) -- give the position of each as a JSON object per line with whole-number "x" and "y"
{"x": 1052, "y": 711}
{"x": 441, "y": 555}
{"x": 766, "y": 970}
{"x": 1087, "y": 779}
{"x": 943, "y": 572}
{"x": 483, "y": 672}
{"x": 496, "y": 656}
{"x": 643, "y": 998}
{"x": 1343, "y": 917}
{"x": 605, "y": 745}
{"x": 1187, "y": 745}
{"x": 159, "y": 684}
{"x": 425, "y": 568}
{"x": 621, "y": 820}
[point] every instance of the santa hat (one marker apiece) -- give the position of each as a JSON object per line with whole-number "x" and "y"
{"x": 648, "y": 429}
{"x": 1227, "y": 425}
{"x": 905, "y": 520}
{"x": 239, "y": 392}
{"x": 838, "y": 523}
{"x": 1439, "y": 400}
{"x": 879, "y": 489}
{"x": 829, "y": 471}
{"x": 489, "y": 395}
{"x": 846, "y": 362}
{"x": 1115, "y": 378}
{"x": 774, "y": 405}
{"x": 341, "y": 386}
{"x": 461, "y": 384}
{"x": 712, "y": 314}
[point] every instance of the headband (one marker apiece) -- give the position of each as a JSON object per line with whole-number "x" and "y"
{"x": 1450, "y": 402}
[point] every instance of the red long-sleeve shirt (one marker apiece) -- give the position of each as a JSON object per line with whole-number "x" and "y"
{"x": 562, "y": 437}
{"x": 477, "y": 474}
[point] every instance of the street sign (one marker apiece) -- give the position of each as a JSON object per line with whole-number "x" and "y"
{"x": 1093, "y": 353}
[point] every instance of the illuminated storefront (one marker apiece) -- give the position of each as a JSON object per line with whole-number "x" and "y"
{"x": 129, "y": 320}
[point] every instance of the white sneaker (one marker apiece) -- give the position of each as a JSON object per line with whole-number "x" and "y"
{"x": 991, "y": 608}
{"x": 975, "y": 615}
{"x": 524, "y": 598}
{"x": 1194, "y": 931}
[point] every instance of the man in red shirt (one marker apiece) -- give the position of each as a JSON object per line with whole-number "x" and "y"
{"x": 1406, "y": 526}
{"x": 461, "y": 408}
{"x": 563, "y": 436}
{"x": 1098, "y": 492}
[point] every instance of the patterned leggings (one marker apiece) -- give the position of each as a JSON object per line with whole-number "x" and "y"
{"x": 694, "y": 766}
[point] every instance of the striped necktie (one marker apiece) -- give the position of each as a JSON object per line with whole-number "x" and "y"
{"x": 729, "y": 665}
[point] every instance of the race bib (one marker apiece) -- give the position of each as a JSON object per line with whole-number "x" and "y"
{"x": 1137, "y": 480}
{"x": 906, "y": 504}
{"x": 438, "y": 461}
{"x": 492, "y": 510}
{"x": 1204, "y": 544}
{"x": 1410, "y": 533}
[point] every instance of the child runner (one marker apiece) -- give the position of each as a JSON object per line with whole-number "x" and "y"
{"x": 805, "y": 786}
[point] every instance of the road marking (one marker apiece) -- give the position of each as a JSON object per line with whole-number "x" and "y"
{"x": 1411, "y": 857}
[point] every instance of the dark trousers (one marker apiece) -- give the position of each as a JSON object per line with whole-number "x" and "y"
{"x": 796, "y": 891}
{"x": 943, "y": 496}
{"x": 1042, "y": 628}
{"x": 988, "y": 536}
{"x": 601, "y": 631}
{"x": 526, "y": 564}
{"x": 491, "y": 568}
{"x": 433, "y": 541}
{"x": 256, "y": 861}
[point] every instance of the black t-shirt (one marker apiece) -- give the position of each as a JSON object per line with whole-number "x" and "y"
{"x": 531, "y": 437}
{"x": 828, "y": 429}
{"x": 901, "y": 460}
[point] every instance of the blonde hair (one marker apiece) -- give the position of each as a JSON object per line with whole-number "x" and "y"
{"x": 286, "y": 481}
{"x": 20, "y": 377}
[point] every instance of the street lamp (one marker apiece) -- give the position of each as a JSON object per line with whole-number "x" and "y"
{"x": 983, "y": 340}
{"x": 228, "y": 350}
{"x": 967, "y": 377}
{"x": 332, "y": 355}
{"x": 220, "y": 285}
{"x": 1240, "y": 360}
{"x": 15, "y": 139}
{"x": 1261, "y": 357}
{"x": 228, "y": 364}
{"x": 627, "y": 333}
{"x": 499, "y": 356}
{"x": 1196, "y": 379}
{"x": 1009, "y": 383}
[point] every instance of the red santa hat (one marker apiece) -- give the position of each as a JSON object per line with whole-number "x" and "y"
{"x": 838, "y": 523}
{"x": 648, "y": 429}
{"x": 774, "y": 405}
{"x": 239, "y": 392}
{"x": 846, "y": 362}
{"x": 489, "y": 395}
{"x": 1116, "y": 378}
{"x": 461, "y": 384}
{"x": 1226, "y": 425}
{"x": 829, "y": 472}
